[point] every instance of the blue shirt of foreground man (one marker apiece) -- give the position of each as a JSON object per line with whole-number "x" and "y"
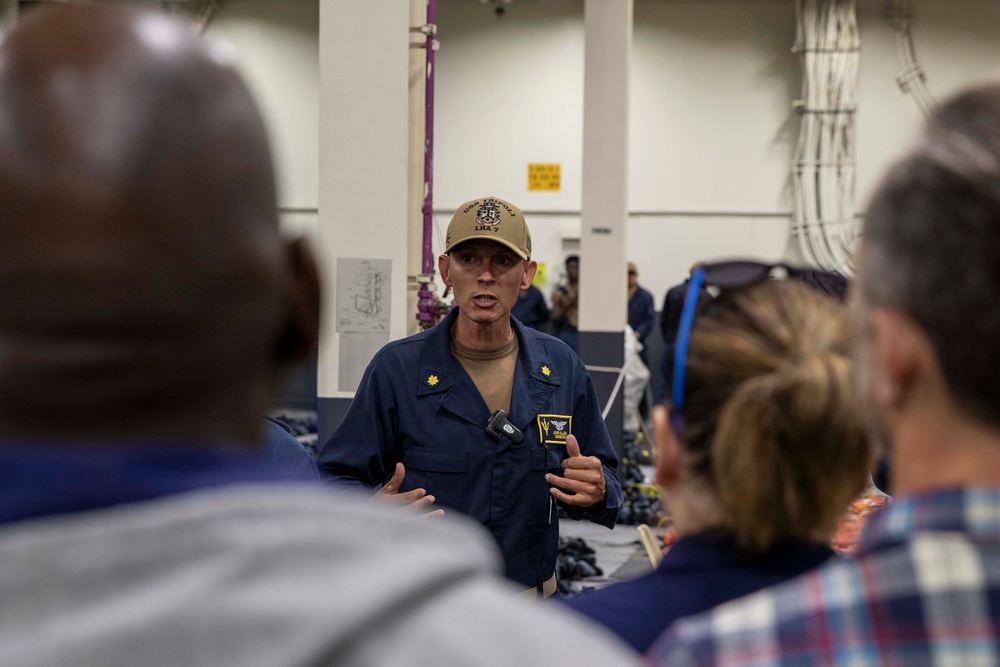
{"x": 421, "y": 420}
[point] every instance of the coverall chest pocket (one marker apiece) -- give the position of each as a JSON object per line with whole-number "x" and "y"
{"x": 440, "y": 472}
{"x": 543, "y": 505}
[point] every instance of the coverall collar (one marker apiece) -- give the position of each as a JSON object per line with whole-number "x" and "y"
{"x": 441, "y": 372}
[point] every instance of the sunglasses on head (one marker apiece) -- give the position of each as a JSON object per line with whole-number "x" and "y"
{"x": 728, "y": 275}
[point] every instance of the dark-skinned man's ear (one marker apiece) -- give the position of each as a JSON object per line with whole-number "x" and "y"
{"x": 300, "y": 333}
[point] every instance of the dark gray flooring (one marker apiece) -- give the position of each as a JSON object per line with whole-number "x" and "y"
{"x": 619, "y": 552}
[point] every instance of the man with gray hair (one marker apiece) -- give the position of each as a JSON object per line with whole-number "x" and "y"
{"x": 924, "y": 588}
{"x": 149, "y": 305}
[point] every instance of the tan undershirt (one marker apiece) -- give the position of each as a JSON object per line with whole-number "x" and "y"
{"x": 492, "y": 371}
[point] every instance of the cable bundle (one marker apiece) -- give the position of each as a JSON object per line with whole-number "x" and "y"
{"x": 911, "y": 78}
{"x": 824, "y": 166}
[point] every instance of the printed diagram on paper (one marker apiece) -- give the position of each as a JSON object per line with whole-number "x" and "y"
{"x": 363, "y": 295}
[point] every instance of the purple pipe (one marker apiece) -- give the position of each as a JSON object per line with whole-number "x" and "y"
{"x": 428, "y": 266}
{"x": 427, "y": 305}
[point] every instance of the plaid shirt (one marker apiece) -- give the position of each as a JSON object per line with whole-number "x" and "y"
{"x": 923, "y": 589}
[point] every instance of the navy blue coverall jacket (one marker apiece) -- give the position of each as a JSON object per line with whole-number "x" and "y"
{"x": 641, "y": 313}
{"x": 416, "y": 404}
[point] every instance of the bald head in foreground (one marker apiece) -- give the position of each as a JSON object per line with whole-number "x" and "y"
{"x": 149, "y": 305}
{"x": 145, "y": 289}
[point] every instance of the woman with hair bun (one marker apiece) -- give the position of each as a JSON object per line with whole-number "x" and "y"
{"x": 761, "y": 453}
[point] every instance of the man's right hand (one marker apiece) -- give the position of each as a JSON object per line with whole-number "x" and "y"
{"x": 417, "y": 499}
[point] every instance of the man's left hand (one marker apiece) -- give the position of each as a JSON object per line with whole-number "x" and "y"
{"x": 582, "y": 483}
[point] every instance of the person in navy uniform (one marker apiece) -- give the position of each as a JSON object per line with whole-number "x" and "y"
{"x": 425, "y": 426}
{"x": 565, "y": 305}
{"x": 530, "y": 309}
{"x": 641, "y": 310}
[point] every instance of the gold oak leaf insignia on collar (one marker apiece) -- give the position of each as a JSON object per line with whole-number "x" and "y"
{"x": 432, "y": 380}
{"x": 545, "y": 371}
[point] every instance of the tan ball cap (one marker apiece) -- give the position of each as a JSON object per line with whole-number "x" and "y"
{"x": 490, "y": 219}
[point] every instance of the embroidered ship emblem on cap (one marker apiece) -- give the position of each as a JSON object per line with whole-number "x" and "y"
{"x": 488, "y": 214}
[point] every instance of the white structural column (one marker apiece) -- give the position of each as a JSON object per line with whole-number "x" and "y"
{"x": 603, "y": 282}
{"x": 364, "y": 55}
{"x": 607, "y": 67}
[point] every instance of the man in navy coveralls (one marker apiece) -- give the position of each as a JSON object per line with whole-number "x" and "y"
{"x": 420, "y": 425}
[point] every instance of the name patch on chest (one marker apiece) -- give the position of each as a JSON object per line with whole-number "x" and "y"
{"x": 553, "y": 429}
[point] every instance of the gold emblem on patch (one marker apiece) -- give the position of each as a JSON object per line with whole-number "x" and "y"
{"x": 545, "y": 371}
{"x": 432, "y": 380}
{"x": 553, "y": 429}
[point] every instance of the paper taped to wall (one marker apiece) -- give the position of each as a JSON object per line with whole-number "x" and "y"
{"x": 363, "y": 295}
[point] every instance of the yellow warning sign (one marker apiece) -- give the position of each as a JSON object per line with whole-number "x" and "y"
{"x": 540, "y": 274}
{"x": 543, "y": 177}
